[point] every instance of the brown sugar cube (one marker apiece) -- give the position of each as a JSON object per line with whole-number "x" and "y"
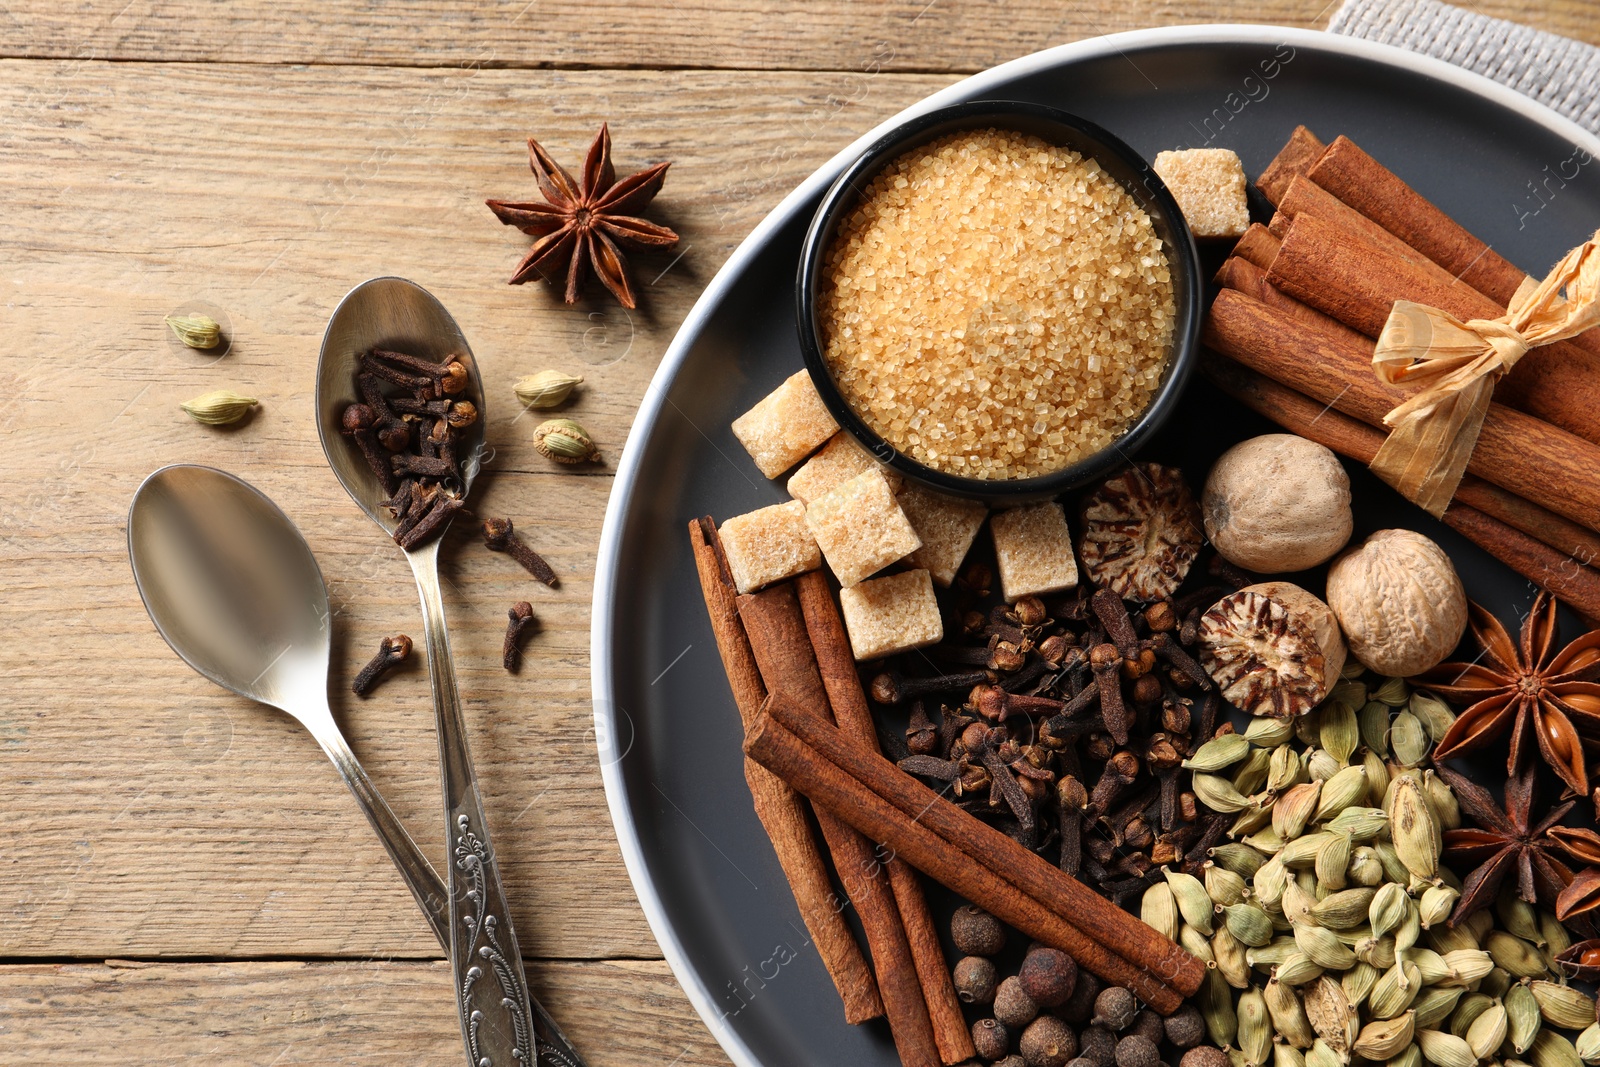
{"x": 1034, "y": 549}
{"x": 893, "y": 614}
{"x": 841, "y": 459}
{"x": 1208, "y": 184}
{"x": 860, "y": 527}
{"x": 769, "y": 545}
{"x": 786, "y": 426}
{"x": 947, "y": 526}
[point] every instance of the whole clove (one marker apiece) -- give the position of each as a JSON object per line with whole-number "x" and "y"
{"x": 519, "y": 618}
{"x": 392, "y": 651}
{"x": 500, "y": 536}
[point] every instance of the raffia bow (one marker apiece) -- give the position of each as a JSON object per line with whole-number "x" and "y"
{"x": 1457, "y": 365}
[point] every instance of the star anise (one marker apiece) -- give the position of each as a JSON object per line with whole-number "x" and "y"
{"x": 1504, "y": 839}
{"x": 1538, "y": 694}
{"x": 585, "y": 223}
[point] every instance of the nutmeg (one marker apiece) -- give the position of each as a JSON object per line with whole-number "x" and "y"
{"x": 1277, "y": 503}
{"x": 1399, "y": 601}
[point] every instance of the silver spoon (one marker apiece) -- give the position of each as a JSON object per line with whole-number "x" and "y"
{"x": 234, "y": 589}
{"x": 500, "y": 1022}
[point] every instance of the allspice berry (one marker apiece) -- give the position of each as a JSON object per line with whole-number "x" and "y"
{"x": 976, "y": 932}
{"x": 1185, "y": 1028}
{"x": 1147, "y": 1024}
{"x": 990, "y": 1038}
{"x": 1078, "y": 1009}
{"x": 975, "y": 979}
{"x": 1115, "y": 1008}
{"x": 1048, "y": 976}
{"x": 1013, "y": 1006}
{"x": 1012, "y": 1060}
{"x": 1047, "y": 1042}
{"x": 1136, "y": 1051}
{"x": 1099, "y": 1046}
{"x": 1204, "y": 1056}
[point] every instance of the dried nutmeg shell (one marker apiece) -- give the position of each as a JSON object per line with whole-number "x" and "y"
{"x": 546, "y": 389}
{"x": 565, "y": 442}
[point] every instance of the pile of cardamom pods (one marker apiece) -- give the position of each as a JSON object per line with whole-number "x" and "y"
{"x": 1324, "y": 921}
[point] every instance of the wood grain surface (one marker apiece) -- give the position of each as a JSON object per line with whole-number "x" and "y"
{"x": 256, "y": 161}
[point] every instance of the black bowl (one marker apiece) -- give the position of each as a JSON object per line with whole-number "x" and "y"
{"x": 1059, "y": 128}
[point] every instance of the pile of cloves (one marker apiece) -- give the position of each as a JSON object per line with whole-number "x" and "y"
{"x": 1064, "y": 722}
{"x": 409, "y": 437}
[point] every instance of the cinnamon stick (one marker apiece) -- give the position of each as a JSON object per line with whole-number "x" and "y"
{"x": 970, "y": 857}
{"x": 831, "y": 645}
{"x": 1515, "y": 451}
{"x": 1258, "y": 246}
{"x": 1352, "y": 279}
{"x": 782, "y": 649}
{"x": 1485, "y": 515}
{"x": 1247, "y": 278}
{"x": 781, "y": 810}
{"x": 1296, "y": 157}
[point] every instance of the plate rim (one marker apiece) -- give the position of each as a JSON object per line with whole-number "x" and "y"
{"x": 607, "y": 558}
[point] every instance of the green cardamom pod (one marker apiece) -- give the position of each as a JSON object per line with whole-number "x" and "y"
{"x": 564, "y": 441}
{"x": 1320, "y": 1054}
{"x": 1256, "y": 818}
{"x": 221, "y": 407}
{"x": 1272, "y": 954}
{"x": 1562, "y": 1006}
{"x": 1194, "y": 943}
{"x": 1223, "y": 886}
{"x": 1286, "y": 1055}
{"x": 1160, "y": 911}
{"x": 1409, "y": 742}
{"x": 1472, "y": 1005}
{"x": 1331, "y": 1015}
{"x": 1487, "y": 1032}
{"x": 1377, "y": 777}
{"x": 1373, "y": 722}
{"x": 1410, "y": 1056}
{"x": 1297, "y": 971}
{"x": 1301, "y": 852}
{"x": 1588, "y": 1044}
{"x": 1215, "y": 1000}
{"x": 1519, "y": 918}
{"x": 1436, "y": 904}
{"x": 1218, "y": 753}
{"x": 546, "y": 389}
{"x": 1341, "y": 791}
{"x": 1288, "y": 1014}
{"x": 1337, "y": 730}
{"x": 1331, "y": 864}
{"x": 1388, "y": 909}
{"x": 1364, "y": 867}
{"x": 1445, "y": 1050}
{"x": 196, "y": 331}
{"x": 1415, "y": 834}
{"x": 1385, "y": 1037}
{"x": 1378, "y": 951}
{"x": 1467, "y": 965}
{"x": 1430, "y": 965}
{"x": 1270, "y": 881}
{"x": 1284, "y": 769}
{"x": 1349, "y": 691}
{"x": 1523, "y": 1017}
{"x": 1556, "y": 938}
{"x": 1395, "y": 990}
{"x": 1255, "y": 1028}
{"x": 1194, "y": 903}
{"x": 1249, "y": 924}
{"x": 1393, "y": 692}
{"x": 1324, "y": 948}
{"x": 1550, "y": 1049}
{"x": 1321, "y": 765}
{"x": 1237, "y": 857}
{"x": 1250, "y": 775}
{"x": 1343, "y": 909}
{"x": 1445, "y": 939}
{"x": 1434, "y": 714}
{"x": 1358, "y": 982}
{"x": 1480, "y": 923}
{"x": 1228, "y": 952}
{"x": 1218, "y": 794}
{"x": 1361, "y": 824}
{"x": 1434, "y": 1005}
{"x": 1519, "y": 958}
{"x": 1496, "y": 983}
{"x": 1297, "y": 905}
{"x": 1268, "y": 732}
{"x": 1393, "y": 869}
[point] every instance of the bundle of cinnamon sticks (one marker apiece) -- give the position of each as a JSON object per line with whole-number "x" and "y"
{"x": 1305, "y": 297}
{"x": 809, "y": 736}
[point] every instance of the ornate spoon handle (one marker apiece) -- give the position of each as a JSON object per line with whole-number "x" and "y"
{"x": 497, "y": 1022}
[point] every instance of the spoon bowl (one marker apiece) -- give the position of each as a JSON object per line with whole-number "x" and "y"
{"x": 402, "y": 316}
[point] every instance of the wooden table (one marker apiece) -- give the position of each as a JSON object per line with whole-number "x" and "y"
{"x": 182, "y": 875}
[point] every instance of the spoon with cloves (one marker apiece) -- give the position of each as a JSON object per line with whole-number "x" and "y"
{"x": 420, "y": 342}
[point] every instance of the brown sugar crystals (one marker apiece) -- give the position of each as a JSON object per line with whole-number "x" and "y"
{"x": 997, "y": 307}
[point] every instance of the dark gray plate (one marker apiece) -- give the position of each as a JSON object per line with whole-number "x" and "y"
{"x": 669, "y": 735}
